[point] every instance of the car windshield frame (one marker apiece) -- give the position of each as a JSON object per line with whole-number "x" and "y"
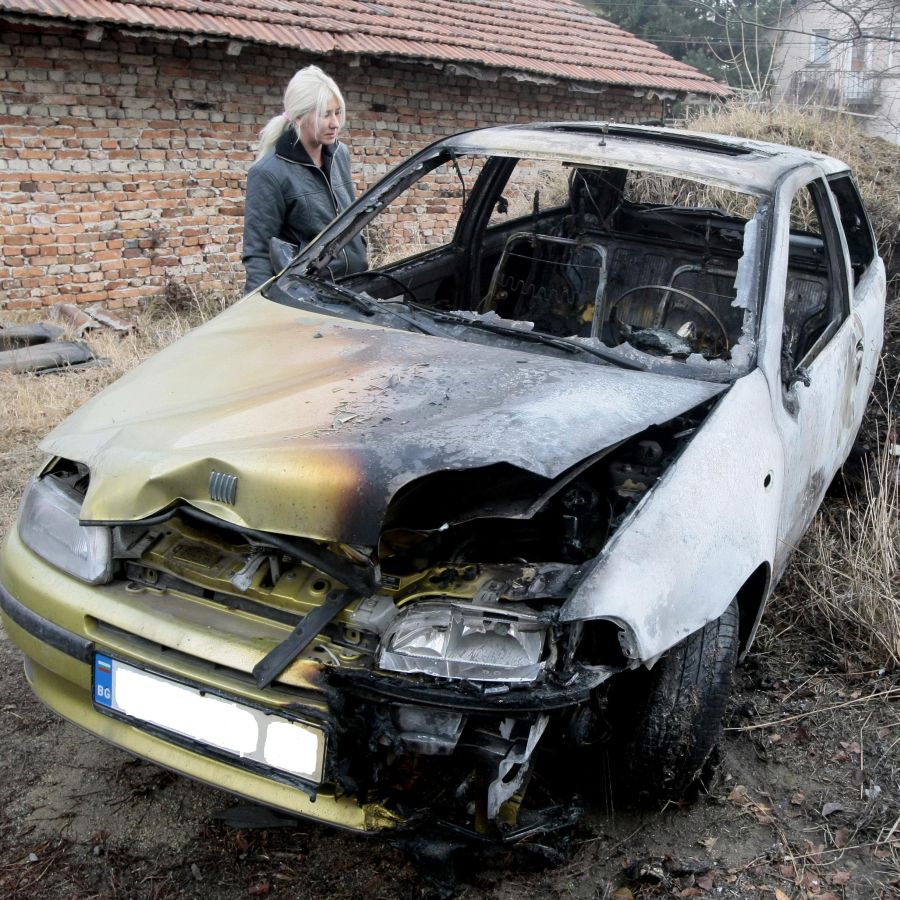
{"x": 312, "y": 261}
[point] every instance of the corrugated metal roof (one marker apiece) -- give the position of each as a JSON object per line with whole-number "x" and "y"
{"x": 557, "y": 38}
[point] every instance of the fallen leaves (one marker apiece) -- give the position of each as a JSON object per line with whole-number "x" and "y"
{"x": 739, "y": 796}
{"x": 678, "y": 877}
{"x": 841, "y": 838}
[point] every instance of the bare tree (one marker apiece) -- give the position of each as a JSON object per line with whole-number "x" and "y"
{"x": 750, "y": 44}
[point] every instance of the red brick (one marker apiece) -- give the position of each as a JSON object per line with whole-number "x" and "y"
{"x": 141, "y": 228}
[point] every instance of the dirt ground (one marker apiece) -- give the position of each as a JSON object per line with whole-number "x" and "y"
{"x": 806, "y": 804}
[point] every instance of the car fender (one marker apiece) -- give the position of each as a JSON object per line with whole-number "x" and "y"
{"x": 699, "y": 534}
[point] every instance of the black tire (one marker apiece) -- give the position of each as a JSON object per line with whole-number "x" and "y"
{"x": 672, "y": 724}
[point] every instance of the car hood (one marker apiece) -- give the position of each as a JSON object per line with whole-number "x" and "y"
{"x": 322, "y": 420}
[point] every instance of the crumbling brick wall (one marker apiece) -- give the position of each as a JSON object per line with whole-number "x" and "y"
{"x": 123, "y": 161}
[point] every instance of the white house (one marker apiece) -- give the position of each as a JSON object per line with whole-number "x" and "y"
{"x": 843, "y": 60}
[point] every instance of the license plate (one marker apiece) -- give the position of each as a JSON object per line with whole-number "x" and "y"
{"x": 225, "y": 725}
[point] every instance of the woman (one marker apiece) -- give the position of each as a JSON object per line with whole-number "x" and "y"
{"x": 301, "y": 178}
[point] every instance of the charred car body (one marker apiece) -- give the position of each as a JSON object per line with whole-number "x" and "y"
{"x": 393, "y": 549}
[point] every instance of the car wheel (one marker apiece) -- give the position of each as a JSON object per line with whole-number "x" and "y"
{"x": 672, "y": 722}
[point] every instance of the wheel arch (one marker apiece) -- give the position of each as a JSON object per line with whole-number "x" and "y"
{"x": 751, "y": 599}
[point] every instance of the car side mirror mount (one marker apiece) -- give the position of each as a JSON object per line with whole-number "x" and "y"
{"x": 791, "y": 374}
{"x": 794, "y": 376}
{"x": 281, "y": 253}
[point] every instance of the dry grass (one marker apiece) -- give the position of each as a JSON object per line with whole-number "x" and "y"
{"x": 849, "y": 568}
{"x": 650, "y": 188}
{"x": 875, "y": 163}
{"x": 549, "y": 180}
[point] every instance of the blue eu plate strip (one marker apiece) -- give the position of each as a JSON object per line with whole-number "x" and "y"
{"x": 103, "y": 680}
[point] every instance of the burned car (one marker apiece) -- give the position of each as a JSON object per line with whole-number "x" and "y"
{"x": 412, "y": 547}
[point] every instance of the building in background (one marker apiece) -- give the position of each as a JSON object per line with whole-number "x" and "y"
{"x": 126, "y": 128}
{"x": 843, "y": 57}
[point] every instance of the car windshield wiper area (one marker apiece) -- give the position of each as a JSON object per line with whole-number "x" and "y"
{"x": 499, "y": 326}
{"x": 302, "y": 292}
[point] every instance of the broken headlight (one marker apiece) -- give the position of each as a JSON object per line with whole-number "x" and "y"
{"x": 455, "y": 642}
{"x": 48, "y": 525}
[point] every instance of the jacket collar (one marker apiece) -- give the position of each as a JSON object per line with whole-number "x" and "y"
{"x": 289, "y": 147}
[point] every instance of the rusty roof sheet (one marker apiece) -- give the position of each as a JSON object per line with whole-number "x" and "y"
{"x": 552, "y": 38}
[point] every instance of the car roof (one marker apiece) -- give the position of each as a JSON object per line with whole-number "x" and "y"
{"x": 741, "y": 164}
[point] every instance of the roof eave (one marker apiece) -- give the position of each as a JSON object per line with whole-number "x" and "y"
{"x": 322, "y": 42}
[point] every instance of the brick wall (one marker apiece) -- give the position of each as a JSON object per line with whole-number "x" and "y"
{"x": 123, "y": 162}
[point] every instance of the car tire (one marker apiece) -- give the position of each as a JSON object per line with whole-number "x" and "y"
{"x": 672, "y": 724}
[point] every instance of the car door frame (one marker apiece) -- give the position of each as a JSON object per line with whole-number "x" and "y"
{"x": 816, "y": 423}
{"x": 867, "y": 297}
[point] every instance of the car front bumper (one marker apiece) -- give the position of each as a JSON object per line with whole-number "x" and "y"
{"x": 62, "y": 624}
{"x": 58, "y": 662}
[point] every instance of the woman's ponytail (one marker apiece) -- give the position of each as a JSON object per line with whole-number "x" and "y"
{"x": 268, "y": 137}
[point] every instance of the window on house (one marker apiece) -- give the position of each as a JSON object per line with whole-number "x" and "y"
{"x": 859, "y": 55}
{"x": 820, "y": 46}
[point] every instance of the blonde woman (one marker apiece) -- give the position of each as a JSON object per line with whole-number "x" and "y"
{"x": 301, "y": 178}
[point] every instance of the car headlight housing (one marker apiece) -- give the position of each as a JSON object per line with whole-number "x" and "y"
{"x": 451, "y": 641}
{"x": 48, "y": 525}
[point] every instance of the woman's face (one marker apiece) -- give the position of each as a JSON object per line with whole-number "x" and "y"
{"x": 317, "y": 129}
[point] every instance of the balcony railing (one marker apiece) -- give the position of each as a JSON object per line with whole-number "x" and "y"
{"x": 836, "y": 88}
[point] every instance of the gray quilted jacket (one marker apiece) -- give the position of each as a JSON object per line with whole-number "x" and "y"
{"x": 289, "y": 197}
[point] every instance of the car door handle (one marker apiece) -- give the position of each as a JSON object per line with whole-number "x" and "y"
{"x": 860, "y": 351}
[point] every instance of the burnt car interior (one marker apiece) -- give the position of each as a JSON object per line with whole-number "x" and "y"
{"x": 576, "y": 251}
{"x": 579, "y": 279}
